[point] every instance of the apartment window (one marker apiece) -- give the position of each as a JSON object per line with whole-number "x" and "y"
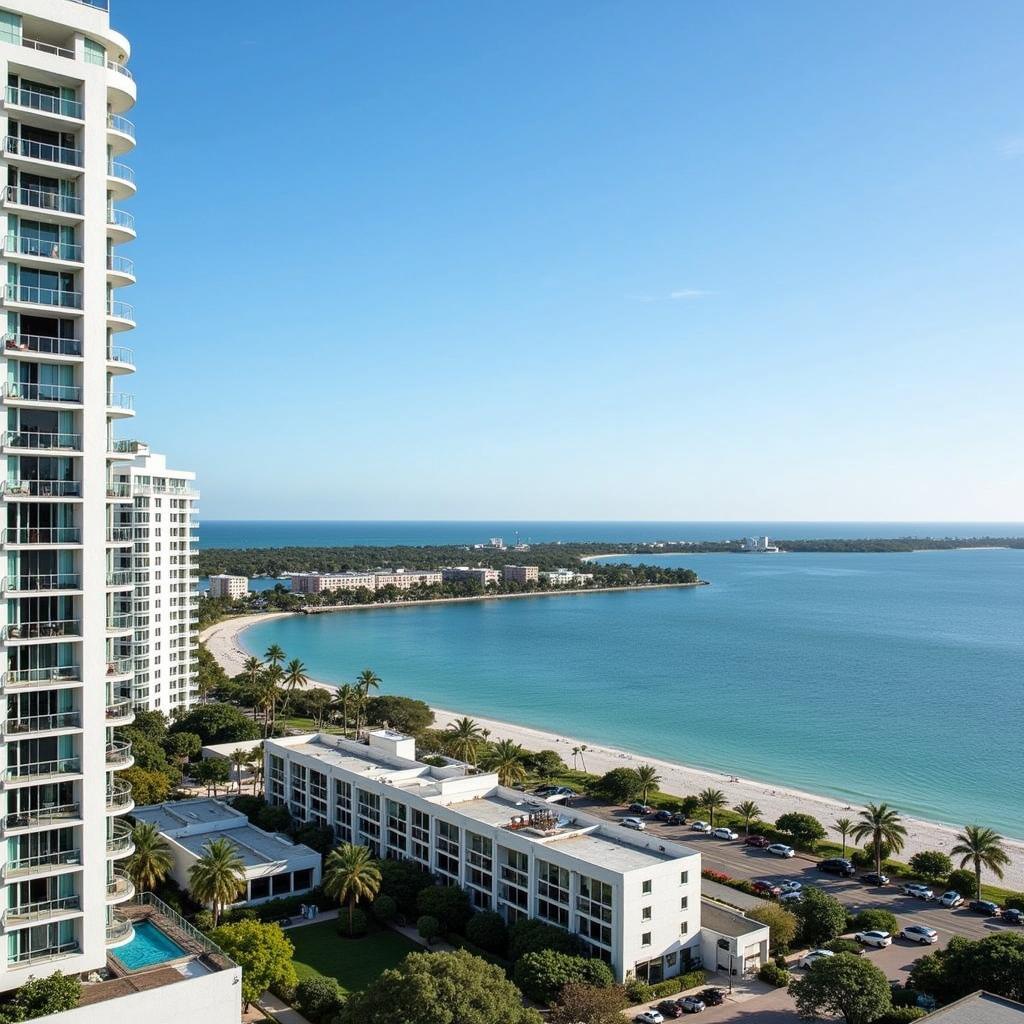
{"x": 514, "y": 878}
{"x": 479, "y": 869}
{"x": 684, "y": 927}
{"x": 397, "y": 818}
{"x": 275, "y": 780}
{"x": 318, "y": 797}
{"x": 645, "y": 939}
{"x": 297, "y": 790}
{"x": 684, "y": 902}
{"x": 645, "y": 887}
{"x": 10, "y": 28}
{"x": 421, "y": 836}
{"x": 645, "y": 914}
{"x": 94, "y": 53}
{"x": 684, "y": 877}
{"x": 447, "y": 859}
{"x": 553, "y": 893}
{"x": 369, "y": 818}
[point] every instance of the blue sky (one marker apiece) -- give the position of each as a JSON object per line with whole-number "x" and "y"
{"x": 575, "y": 260}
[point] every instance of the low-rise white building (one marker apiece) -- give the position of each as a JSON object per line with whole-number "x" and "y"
{"x": 567, "y": 577}
{"x": 225, "y": 585}
{"x": 470, "y": 574}
{"x": 274, "y": 865}
{"x": 634, "y": 898}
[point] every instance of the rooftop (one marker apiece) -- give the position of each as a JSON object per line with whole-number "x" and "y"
{"x": 725, "y": 920}
{"x": 980, "y": 1008}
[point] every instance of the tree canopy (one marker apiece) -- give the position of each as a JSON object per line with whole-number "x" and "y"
{"x": 263, "y": 952}
{"x": 994, "y": 963}
{"x": 843, "y": 985}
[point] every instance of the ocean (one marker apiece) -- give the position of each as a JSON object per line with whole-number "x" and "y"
{"x": 867, "y": 677}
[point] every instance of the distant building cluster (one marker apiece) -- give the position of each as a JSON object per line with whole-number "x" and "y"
{"x": 759, "y": 545}
{"x": 403, "y": 579}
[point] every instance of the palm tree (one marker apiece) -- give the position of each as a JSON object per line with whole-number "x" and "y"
{"x": 984, "y": 848}
{"x": 350, "y": 873}
{"x": 294, "y": 678}
{"x": 748, "y": 811}
{"x": 266, "y": 698}
{"x": 151, "y": 862}
{"x": 340, "y": 703}
{"x": 368, "y": 680}
{"x": 464, "y": 737}
{"x": 583, "y": 749}
{"x": 713, "y": 800}
{"x": 648, "y": 777}
{"x": 319, "y": 701}
{"x": 575, "y": 755}
{"x": 218, "y": 877}
{"x": 881, "y": 824}
{"x": 844, "y": 827}
{"x": 252, "y": 668}
{"x": 275, "y": 655}
{"x": 239, "y": 759}
{"x": 255, "y": 763}
{"x": 506, "y": 758}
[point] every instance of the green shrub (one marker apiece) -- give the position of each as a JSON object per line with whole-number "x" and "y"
{"x": 403, "y": 881}
{"x": 773, "y": 974}
{"x": 844, "y": 946}
{"x": 804, "y": 829}
{"x": 691, "y": 979}
{"x": 448, "y": 903}
{"x": 487, "y": 930}
{"x": 931, "y": 864}
{"x": 865, "y": 858}
{"x": 354, "y": 925}
{"x": 319, "y": 998}
{"x": 965, "y": 882}
{"x": 638, "y": 991}
{"x": 543, "y": 974}
{"x": 680, "y": 983}
{"x": 429, "y": 928}
{"x": 384, "y": 908}
{"x": 204, "y": 921}
{"x": 876, "y": 920}
{"x": 1015, "y": 902}
{"x": 529, "y": 935}
{"x": 901, "y": 1015}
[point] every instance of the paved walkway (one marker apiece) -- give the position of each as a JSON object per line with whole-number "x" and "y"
{"x": 409, "y": 931}
{"x": 279, "y": 1011}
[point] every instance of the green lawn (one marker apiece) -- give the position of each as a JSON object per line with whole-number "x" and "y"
{"x": 353, "y": 962}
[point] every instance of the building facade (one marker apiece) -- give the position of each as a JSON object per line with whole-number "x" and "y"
{"x": 232, "y": 587}
{"x": 318, "y": 582}
{"x": 520, "y": 573}
{"x": 66, "y": 634}
{"x": 633, "y": 898}
{"x": 165, "y": 599}
{"x": 470, "y": 574}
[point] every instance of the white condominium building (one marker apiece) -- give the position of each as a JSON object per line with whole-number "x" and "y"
{"x": 66, "y": 632}
{"x": 233, "y": 587}
{"x": 166, "y": 594}
{"x": 633, "y": 898}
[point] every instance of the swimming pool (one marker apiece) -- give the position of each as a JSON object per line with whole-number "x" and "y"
{"x": 150, "y": 946}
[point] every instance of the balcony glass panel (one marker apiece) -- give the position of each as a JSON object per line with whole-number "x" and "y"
{"x": 44, "y": 101}
{"x": 53, "y": 154}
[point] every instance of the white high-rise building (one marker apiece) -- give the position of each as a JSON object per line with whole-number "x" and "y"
{"x": 66, "y": 631}
{"x": 166, "y": 594}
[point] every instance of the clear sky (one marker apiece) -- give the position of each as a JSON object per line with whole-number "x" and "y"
{"x": 534, "y": 259}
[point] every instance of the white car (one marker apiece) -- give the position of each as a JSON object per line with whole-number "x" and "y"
{"x": 634, "y": 823}
{"x": 725, "y": 833}
{"x": 780, "y": 850}
{"x": 810, "y": 959}
{"x": 951, "y": 898}
{"x": 791, "y": 897}
{"x": 649, "y": 1017}
{"x": 921, "y": 892}
{"x": 700, "y": 826}
{"x": 874, "y": 938}
{"x": 791, "y": 886}
{"x": 919, "y": 933}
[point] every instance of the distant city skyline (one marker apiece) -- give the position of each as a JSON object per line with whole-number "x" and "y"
{"x": 584, "y": 261}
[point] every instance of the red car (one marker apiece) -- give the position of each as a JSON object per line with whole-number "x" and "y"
{"x": 768, "y": 888}
{"x": 759, "y": 841}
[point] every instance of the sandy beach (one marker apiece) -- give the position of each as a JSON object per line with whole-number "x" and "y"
{"x": 223, "y": 643}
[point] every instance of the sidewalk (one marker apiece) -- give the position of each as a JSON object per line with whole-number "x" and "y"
{"x": 279, "y": 1011}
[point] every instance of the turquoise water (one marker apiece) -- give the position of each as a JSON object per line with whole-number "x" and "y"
{"x": 150, "y": 946}
{"x": 891, "y": 677}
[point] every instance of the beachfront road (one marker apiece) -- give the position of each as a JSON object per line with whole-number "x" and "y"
{"x": 739, "y": 861}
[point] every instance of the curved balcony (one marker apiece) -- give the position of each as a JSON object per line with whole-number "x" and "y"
{"x": 119, "y": 755}
{"x": 119, "y": 491}
{"x": 65, "y": 208}
{"x": 120, "y": 271}
{"x": 46, "y": 393}
{"x": 120, "y": 179}
{"x": 121, "y": 90}
{"x": 120, "y": 711}
{"x": 119, "y": 797}
{"x": 27, "y": 489}
{"x": 120, "y": 667}
{"x": 119, "y": 931}
{"x": 27, "y": 149}
{"x": 32, "y": 295}
{"x": 35, "y": 771}
{"x": 119, "y": 578}
{"x": 120, "y": 315}
{"x": 120, "y": 404}
{"x": 42, "y": 817}
{"x": 43, "y": 103}
{"x": 120, "y": 889}
{"x": 41, "y": 250}
{"x": 16, "y": 441}
{"x": 120, "y": 133}
{"x": 121, "y": 360}
{"x": 120, "y": 844}
{"x": 120, "y": 535}
{"x": 30, "y": 583}
{"x": 120, "y": 224}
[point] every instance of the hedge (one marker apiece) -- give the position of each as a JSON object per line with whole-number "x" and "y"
{"x": 773, "y": 974}
{"x": 680, "y": 983}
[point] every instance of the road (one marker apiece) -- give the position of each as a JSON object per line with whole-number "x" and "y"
{"x": 739, "y": 861}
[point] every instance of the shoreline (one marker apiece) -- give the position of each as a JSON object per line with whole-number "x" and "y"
{"x": 222, "y": 640}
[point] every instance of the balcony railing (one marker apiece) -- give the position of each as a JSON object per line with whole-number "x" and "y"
{"x": 120, "y": 666}
{"x": 56, "y": 952}
{"x": 117, "y": 123}
{"x": 64, "y": 155}
{"x": 41, "y": 440}
{"x": 43, "y": 909}
{"x": 120, "y": 264}
{"x": 43, "y": 345}
{"x": 33, "y": 99}
{"x": 34, "y": 769}
{"x": 121, "y": 171}
{"x": 119, "y": 928}
{"x": 121, "y": 310}
{"x": 44, "y": 199}
{"x": 41, "y": 535}
{"x": 29, "y": 392}
{"x": 121, "y": 887}
{"x": 119, "y": 709}
{"x": 42, "y": 630}
{"x": 119, "y": 490}
{"x": 121, "y": 838}
{"x": 43, "y": 723}
{"x": 43, "y": 861}
{"x": 121, "y": 69}
{"x": 120, "y": 534}
{"x": 61, "y": 297}
{"x": 102, "y": 5}
{"x": 46, "y": 248}
{"x": 41, "y": 489}
{"x": 120, "y": 218}
{"x": 50, "y": 675}
{"x": 119, "y": 400}
{"x": 42, "y": 816}
{"x": 57, "y": 51}
{"x": 119, "y": 796}
{"x": 26, "y": 583}
{"x": 119, "y": 578}
{"x": 119, "y": 753}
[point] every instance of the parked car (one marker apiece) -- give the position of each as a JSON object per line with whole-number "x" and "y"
{"x": 837, "y": 866}
{"x": 759, "y": 841}
{"x": 810, "y": 959}
{"x": 986, "y": 907}
{"x": 919, "y": 933}
{"x": 1012, "y": 916}
{"x": 918, "y": 891}
{"x": 767, "y": 888}
{"x": 545, "y": 790}
{"x": 560, "y": 794}
{"x": 791, "y": 897}
{"x": 791, "y": 885}
{"x": 662, "y": 815}
{"x": 951, "y": 898}
{"x": 640, "y": 809}
{"x": 700, "y": 826}
{"x": 634, "y": 823}
{"x": 876, "y": 938}
{"x": 668, "y": 1008}
{"x": 712, "y": 996}
{"x": 677, "y": 818}
{"x": 873, "y": 878}
{"x": 691, "y": 1004}
{"x": 780, "y": 850}
{"x": 649, "y": 1017}
{"x": 725, "y": 833}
